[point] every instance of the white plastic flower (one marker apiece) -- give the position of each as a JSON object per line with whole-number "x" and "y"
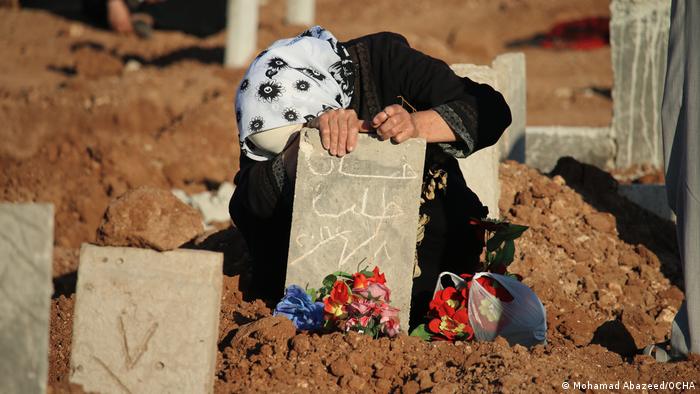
{"x": 490, "y": 310}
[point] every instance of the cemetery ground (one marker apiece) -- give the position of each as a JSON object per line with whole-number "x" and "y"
{"x": 87, "y": 115}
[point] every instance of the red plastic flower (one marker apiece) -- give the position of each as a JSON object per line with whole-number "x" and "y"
{"x": 447, "y": 301}
{"x": 377, "y": 276}
{"x": 335, "y": 303}
{"x": 360, "y": 281}
{"x": 340, "y": 292}
{"x": 452, "y": 327}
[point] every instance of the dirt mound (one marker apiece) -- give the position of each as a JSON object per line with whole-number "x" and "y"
{"x": 604, "y": 298}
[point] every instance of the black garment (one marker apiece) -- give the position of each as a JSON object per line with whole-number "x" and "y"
{"x": 387, "y": 67}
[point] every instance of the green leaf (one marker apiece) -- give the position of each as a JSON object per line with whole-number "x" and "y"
{"x": 513, "y": 231}
{"x": 367, "y": 273}
{"x": 490, "y": 258}
{"x": 342, "y": 274}
{"x": 422, "y": 333}
{"x": 312, "y": 294}
{"x": 329, "y": 281}
{"x": 508, "y": 253}
{"x": 495, "y": 242}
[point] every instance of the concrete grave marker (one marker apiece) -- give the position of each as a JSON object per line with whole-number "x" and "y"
{"x": 591, "y": 145}
{"x": 507, "y": 75}
{"x": 512, "y": 83}
{"x": 480, "y": 169}
{"x": 639, "y": 42}
{"x": 26, "y": 249}
{"x": 362, "y": 206}
{"x": 146, "y": 322}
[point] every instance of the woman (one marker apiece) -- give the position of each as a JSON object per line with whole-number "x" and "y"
{"x": 374, "y": 82}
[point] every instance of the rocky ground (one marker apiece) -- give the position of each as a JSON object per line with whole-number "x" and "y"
{"x": 88, "y": 115}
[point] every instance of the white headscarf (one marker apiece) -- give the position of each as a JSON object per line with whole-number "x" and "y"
{"x": 292, "y": 82}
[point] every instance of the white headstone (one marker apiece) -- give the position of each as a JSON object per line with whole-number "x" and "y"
{"x": 512, "y": 83}
{"x": 301, "y": 12}
{"x": 639, "y": 42}
{"x": 26, "y": 249}
{"x": 480, "y": 169}
{"x": 363, "y": 206}
{"x": 590, "y": 145}
{"x": 241, "y": 32}
{"x": 145, "y": 321}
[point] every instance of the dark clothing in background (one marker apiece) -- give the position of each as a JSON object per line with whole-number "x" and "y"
{"x": 387, "y": 67}
{"x": 198, "y": 18}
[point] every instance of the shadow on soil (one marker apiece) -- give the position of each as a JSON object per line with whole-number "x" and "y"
{"x": 635, "y": 225}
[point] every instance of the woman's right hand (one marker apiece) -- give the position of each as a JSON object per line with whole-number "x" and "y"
{"x": 339, "y": 129}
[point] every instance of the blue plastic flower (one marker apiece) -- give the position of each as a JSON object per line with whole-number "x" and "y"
{"x": 297, "y": 306}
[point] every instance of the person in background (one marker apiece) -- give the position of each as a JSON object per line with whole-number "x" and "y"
{"x": 141, "y": 16}
{"x": 680, "y": 117}
{"x": 376, "y": 82}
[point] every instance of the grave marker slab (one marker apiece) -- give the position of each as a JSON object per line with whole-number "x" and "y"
{"x": 639, "y": 42}
{"x": 362, "y": 206}
{"x": 591, "y": 145}
{"x": 146, "y": 322}
{"x": 26, "y": 249}
{"x": 512, "y": 83}
{"x": 480, "y": 169}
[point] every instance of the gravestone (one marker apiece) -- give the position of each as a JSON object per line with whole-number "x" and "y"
{"x": 480, "y": 169}
{"x": 512, "y": 83}
{"x": 590, "y": 145}
{"x": 26, "y": 249}
{"x": 361, "y": 207}
{"x": 145, "y": 321}
{"x": 241, "y": 32}
{"x": 300, "y": 12}
{"x": 639, "y": 42}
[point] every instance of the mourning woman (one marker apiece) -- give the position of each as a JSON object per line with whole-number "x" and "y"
{"x": 375, "y": 83}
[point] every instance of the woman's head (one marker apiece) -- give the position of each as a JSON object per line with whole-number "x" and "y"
{"x": 291, "y": 82}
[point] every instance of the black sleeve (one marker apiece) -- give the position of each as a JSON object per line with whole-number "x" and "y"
{"x": 477, "y": 114}
{"x": 260, "y": 185}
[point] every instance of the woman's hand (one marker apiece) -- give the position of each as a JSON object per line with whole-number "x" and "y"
{"x": 396, "y": 123}
{"x": 339, "y": 128}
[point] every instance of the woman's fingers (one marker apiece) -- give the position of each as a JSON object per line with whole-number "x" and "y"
{"x": 334, "y": 129}
{"x": 324, "y": 128}
{"x": 343, "y": 130}
{"x": 339, "y": 129}
{"x": 392, "y": 121}
{"x": 379, "y": 118}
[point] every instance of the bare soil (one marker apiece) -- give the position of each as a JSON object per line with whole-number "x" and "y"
{"x": 87, "y": 115}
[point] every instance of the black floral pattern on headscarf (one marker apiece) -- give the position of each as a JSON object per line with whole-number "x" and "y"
{"x": 302, "y": 85}
{"x": 244, "y": 85}
{"x": 270, "y": 91}
{"x": 312, "y": 73}
{"x": 277, "y": 63}
{"x": 343, "y": 72}
{"x": 257, "y": 123}
{"x": 290, "y": 115}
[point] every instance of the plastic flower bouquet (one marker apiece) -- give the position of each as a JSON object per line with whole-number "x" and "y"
{"x": 357, "y": 302}
{"x": 450, "y": 318}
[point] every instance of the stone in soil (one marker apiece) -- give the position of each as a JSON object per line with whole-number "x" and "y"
{"x": 149, "y": 218}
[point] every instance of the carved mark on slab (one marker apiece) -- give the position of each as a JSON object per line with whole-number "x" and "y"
{"x": 131, "y": 361}
{"x": 112, "y": 375}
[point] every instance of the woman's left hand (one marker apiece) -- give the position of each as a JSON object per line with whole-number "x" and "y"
{"x": 396, "y": 123}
